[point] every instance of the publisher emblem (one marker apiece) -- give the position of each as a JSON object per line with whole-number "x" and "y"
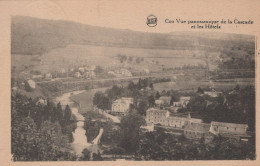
{"x": 151, "y": 21}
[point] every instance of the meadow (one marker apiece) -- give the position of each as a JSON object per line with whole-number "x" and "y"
{"x": 105, "y": 56}
{"x": 193, "y": 84}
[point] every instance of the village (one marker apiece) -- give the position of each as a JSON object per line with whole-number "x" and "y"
{"x": 166, "y": 115}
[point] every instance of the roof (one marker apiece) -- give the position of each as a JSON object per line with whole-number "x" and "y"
{"x": 177, "y": 102}
{"x": 156, "y": 110}
{"x": 124, "y": 100}
{"x": 121, "y": 101}
{"x": 195, "y": 120}
{"x": 201, "y": 127}
{"x": 165, "y": 98}
{"x": 176, "y": 118}
{"x": 224, "y": 124}
{"x": 127, "y": 98}
{"x": 185, "y": 97}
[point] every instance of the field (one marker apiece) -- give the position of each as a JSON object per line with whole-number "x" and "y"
{"x": 223, "y": 84}
{"x": 78, "y": 55}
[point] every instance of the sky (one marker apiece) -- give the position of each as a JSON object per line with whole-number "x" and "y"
{"x": 133, "y": 14}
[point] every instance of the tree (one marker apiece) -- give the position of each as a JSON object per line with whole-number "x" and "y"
{"x": 130, "y": 59}
{"x": 101, "y": 101}
{"x": 157, "y": 95}
{"x": 151, "y": 85}
{"x": 237, "y": 88}
{"x": 116, "y": 151}
{"x": 115, "y": 92}
{"x": 43, "y": 144}
{"x": 131, "y": 86}
{"x": 174, "y": 98}
{"x": 27, "y": 87}
{"x": 67, "y": 114}
{"x": 138, "y": 60}
{"x": 142, "y": 107}
{"x": 59, "y": 112}
{"x": 99, "y": 70}
{"x": 200, "y": 90}
{"x": 151, "y": 101}
{"x": 97, "y": 157}
{"x": 34, "y": 137}
{"x": 85, "y": 155}
{"x": 130, "y": 127}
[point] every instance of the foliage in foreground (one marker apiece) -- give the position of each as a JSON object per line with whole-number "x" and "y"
{"x": 161, "y": 146}
{"x": 39, "y": 133}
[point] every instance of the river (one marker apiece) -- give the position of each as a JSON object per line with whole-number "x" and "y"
{"x": 80, "y": 139}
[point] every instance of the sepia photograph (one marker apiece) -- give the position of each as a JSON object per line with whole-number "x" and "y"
{"x": 110, "y": 82}
{"x": 82, "y": 92}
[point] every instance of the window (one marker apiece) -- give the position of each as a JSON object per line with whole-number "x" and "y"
{"x": 235, "y": 128}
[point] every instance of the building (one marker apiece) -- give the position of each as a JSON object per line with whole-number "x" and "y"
{"x": 196, "y": 130}
{"x": 42, "y": 102}
{"x": 184, "y": 101}
{"x": 81, "y": 69}
{"x": 177, "y": 104}
{"x": 147, "y": 71}
{"x": 89, "y": 74}
{"x": 77, "y": 75}
{"x": 32, "y": 84}
{"x": 111, "y": 73}
{"x": 148, "y": 128}
{"x": 122, "y": 105}
{"x": 180, "y": 104}
{"x": 212, "y": 93}
{"x": 122, "y": 73}
{"x": 162, "y": 117}
{"x": 159, "y": 102}
{"x": 37, "y": 76}
{"x": 156, "y": 116}
{"x": 163, "y": 100}
{"x": 223, "y": 128}
{"x": 126, "y": 73}
{"x": 48, "y": 76}
{"x": 176, "y": 122}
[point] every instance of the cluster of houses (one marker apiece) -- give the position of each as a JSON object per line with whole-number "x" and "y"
{"x": 195, "y": 128}
{"x": 192, "y": 128}
{"x": 165, "y": 101}
{"x": 85, "y": 72}
{"x": 120, "y": 73}
{"x": 212, "y": 93}
{"x": 122, "y": 105}
{"x": 80, "y": 72}
{"x": 46, "y": 76}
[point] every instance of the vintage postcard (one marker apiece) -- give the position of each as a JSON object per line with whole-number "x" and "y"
{"x": 129, "y": 82}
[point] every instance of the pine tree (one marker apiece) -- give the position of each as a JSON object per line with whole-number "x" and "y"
{"x": 67, "y": 114}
